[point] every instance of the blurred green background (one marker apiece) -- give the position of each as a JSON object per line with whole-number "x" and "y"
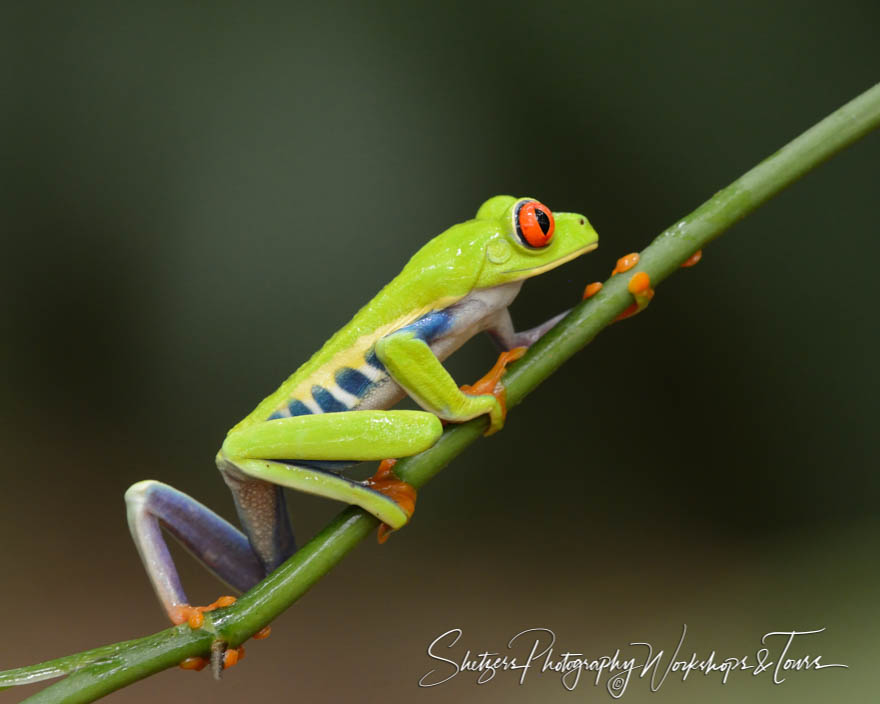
{"x": 197, "y": 195}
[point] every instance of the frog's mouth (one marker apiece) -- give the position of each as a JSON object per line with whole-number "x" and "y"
{"x": 555, "y": 263}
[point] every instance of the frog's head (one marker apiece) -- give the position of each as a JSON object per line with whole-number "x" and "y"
{"x": 524, "y": 239}
{"x": 511, "y": 239}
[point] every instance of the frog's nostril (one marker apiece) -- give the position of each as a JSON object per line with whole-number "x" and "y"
{"x": 582, "y": 221}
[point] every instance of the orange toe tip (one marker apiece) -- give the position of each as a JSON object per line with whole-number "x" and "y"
{"x": 387, "y": 464}
{"x": 194, "y": 663}
{"x": 693, "y": 259}
{"x": 384, "y": 533}
{"x": 592, "y": 289}
{"x": 264, "y": 632}
{"x": 639, "y": 283}
{"x": 625, "y": 263}
{"x": 222, "y": 603}
{"x": 184, "y": 613}
{"x": 385, "y": 470}
{"x": 232, "y": 657}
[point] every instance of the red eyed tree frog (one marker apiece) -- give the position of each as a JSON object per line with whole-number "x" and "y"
{"x": 331, "y": 413}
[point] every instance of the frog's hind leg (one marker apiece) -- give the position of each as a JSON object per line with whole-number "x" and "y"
{"x": 324, "y": 483}
{"x": 212, "y": 540}
{"x": 290, "y": 451}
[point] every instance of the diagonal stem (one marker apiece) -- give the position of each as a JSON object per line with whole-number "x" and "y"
{"x": 103, "y": 670}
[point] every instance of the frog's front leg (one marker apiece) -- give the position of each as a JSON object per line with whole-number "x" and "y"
{"x": 414, "y": 366}
{"x": 501, "y": 330}
{"x": 301, "y": 452}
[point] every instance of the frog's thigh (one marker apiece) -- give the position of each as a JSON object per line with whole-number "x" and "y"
{"x": 346, "y": 435}
{"x": 328, "y": 485}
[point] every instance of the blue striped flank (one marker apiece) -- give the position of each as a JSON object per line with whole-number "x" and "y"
{"x": 298, "y": 408}
{"x": 352, "y": 381}
{"x": 327, "y": 401}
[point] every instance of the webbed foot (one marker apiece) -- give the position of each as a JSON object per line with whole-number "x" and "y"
{"x": 194, "y": 615}
{"x": 222, "y": 658}
{"x": 639, "y": 285}
{"x": 640, "y": 288}
{"x": 229, "y": 658}
{"x": 386, "y": 482}
{"x": 491, "y": 382}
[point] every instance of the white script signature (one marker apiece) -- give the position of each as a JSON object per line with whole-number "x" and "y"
{"x": 534, "y": 650}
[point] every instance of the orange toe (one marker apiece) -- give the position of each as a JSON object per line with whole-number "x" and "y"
{"x": 233, "y": 656}
{"x": 194, "y": 663}
{"x": 625, "y": 263}
{"x": 386, "y": 470}
{"x": 194, "y": 614}
{"x": 639, "y": 283}
{"x": 693, "y": 259}
{"x": 384, "y": 533}
{"x": 262, "y": 633}
{"x": 592, "y": 289}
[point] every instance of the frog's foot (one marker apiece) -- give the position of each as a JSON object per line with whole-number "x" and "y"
{"x": 640, "y": 288}
{"x": 194, "y": 615}
{"x": 225, "y": 659}
{"x": 491, "y": 382}
{"x": 386, "y": 482}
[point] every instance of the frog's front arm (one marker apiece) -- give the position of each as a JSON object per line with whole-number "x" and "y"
{"x": 506, "y": 338}
{"x": 413, "y": 365}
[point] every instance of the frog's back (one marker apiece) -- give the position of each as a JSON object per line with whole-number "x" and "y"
{"x": 345, "y": 370}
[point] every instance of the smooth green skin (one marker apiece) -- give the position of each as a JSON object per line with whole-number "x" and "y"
{"x": 475, "y": 255}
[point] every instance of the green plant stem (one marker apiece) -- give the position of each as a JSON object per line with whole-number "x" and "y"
{"x": 103, "y": 670}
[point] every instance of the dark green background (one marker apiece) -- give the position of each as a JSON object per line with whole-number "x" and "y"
{"x": 197, "y": 195}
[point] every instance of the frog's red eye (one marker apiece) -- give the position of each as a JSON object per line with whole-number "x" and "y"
{"x": 534, "y": 223}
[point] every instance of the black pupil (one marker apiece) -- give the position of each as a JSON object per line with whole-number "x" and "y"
{"x": 543, "y": 220}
